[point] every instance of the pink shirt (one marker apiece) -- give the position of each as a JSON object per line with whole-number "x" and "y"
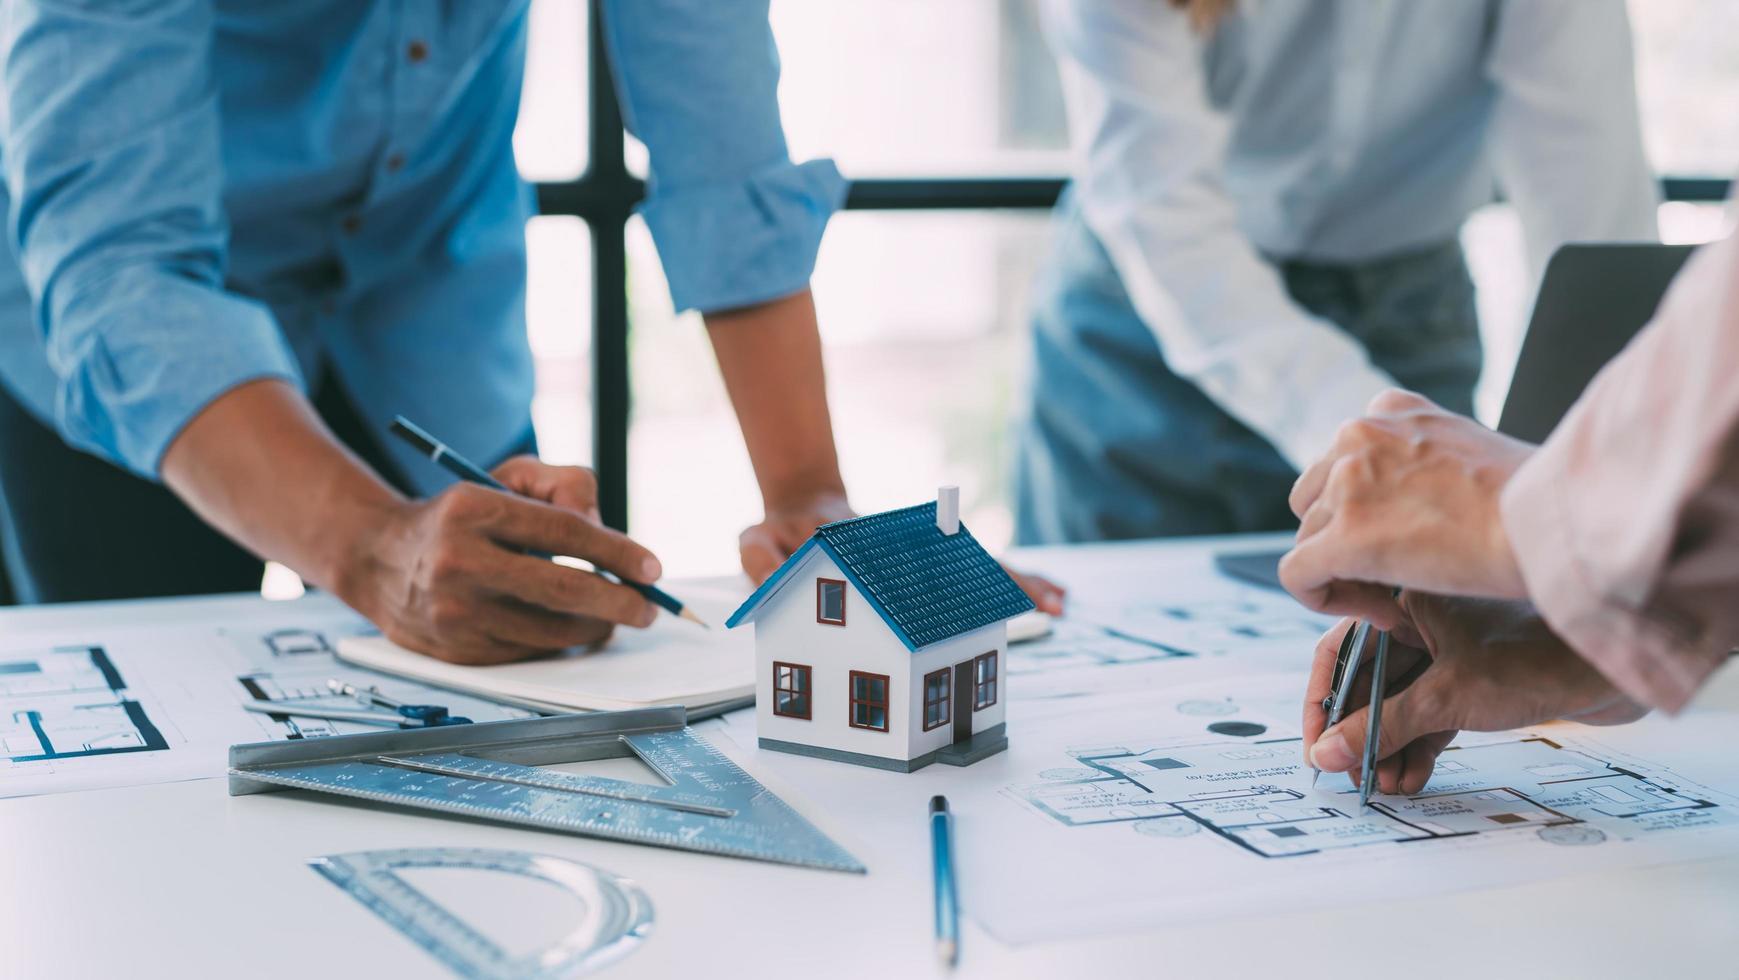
{"x": 1626, "y": 522}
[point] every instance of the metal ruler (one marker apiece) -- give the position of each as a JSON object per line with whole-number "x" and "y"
{"x": 489, "y": 771}
{"x": 615, "y": 915}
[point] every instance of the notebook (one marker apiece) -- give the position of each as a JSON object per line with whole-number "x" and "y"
{"x": 672, "y": 662}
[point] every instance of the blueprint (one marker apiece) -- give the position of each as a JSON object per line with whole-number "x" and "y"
{"x": 1200, "y": 805}
{"x": 70, "y": 702}
{"x": 144, "y": 704}
{"x": 1165, "y": 625}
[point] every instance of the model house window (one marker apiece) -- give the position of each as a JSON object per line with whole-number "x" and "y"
{"x": 984, "y": 681}
{"x": 869, "y": 701}
{"x": 830, "y": 601}
{"x": 938, "y": 697}
{"x": 791, "y": 690}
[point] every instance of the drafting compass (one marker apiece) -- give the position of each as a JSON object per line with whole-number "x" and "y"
{"x": 1346, "y": 668}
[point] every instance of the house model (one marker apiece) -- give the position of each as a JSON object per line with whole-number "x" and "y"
{"x": 881, "y": 642}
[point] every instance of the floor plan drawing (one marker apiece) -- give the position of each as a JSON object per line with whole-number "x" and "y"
{"x": 1073, "y": 645}
{"x": 157, "y": 704}
{"x": 1214, "y": 627}
{"x": 1187, "y": 797}
{"x": 69, "y": 703}
{"x": 1248, "y": 793}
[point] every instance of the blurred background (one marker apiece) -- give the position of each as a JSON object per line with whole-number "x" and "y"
{"x": 923, "y": 311}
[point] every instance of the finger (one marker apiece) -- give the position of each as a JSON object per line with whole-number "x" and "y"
{"x": 1420, "y": 760}
{"x": 560, "y": 589}
{"x": 572, "y": 487}
{"x": 1406, "y": 716}
{"x": 1308, "y": 487}
{"x": 1316, "y": 519}
{"x": 1045, "y": 594}
{"x": 1389, "y": 773}
{"x": 1322, "y": 573}
{"x": 538, "y": 526}
{"x": 1392, "y": 401}
{"x": 760, "y": 553}
{"x": 517, "y": 624}
{"x": 1320, "y": 685}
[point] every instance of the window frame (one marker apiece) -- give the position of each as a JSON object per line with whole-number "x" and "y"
{"x": 852, "y": 700}
{"x": 820, "y": 586}
{"x": 807, "y": 693}
{"x": 607, "y": 193}
{"x": 982, "y": 679}
{"x": 946, "y": 701}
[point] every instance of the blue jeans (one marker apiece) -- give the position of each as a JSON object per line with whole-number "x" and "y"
{"x": 1114, "y": 445}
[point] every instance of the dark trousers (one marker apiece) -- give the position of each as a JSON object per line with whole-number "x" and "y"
{"x": 74, "y": 527}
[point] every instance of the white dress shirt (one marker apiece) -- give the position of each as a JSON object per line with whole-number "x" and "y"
{"x": 1337, "y": 132}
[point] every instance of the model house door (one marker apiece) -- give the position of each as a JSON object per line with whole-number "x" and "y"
{"x": 963, "y": 701}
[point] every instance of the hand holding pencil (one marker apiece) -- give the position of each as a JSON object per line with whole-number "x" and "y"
{"x": 457, "y": 575}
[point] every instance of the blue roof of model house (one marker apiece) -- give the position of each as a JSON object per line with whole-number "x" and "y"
{"x": 928, "y": 586}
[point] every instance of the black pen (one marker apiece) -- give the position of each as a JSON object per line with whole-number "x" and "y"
{"x": 444, "y": 457}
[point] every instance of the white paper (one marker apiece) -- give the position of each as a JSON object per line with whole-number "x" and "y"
{"x": 121, "y": 705}
{"x": 1141, "y": 787}
{"x": 673, "y": 662}
{"x": 1192, "y": 801}
{"x": 1130, "y": 624}
{"x": 1198, "y": 803}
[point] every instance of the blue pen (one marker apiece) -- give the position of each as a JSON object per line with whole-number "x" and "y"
{"x": 947, "y": 902}
{"x": 444, "y": 457}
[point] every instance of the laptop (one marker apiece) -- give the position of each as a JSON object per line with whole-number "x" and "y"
{"x": 1593, "y": 299}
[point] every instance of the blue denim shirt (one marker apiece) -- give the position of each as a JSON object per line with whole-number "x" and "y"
{"x": 204, "y": 192}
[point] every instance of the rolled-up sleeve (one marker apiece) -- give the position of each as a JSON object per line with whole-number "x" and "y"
{"x": 1626, "y": 522}
{"x": 110, "y": 141}
{"x": 1149, "y": 166}
{"x": 736, "y": 222}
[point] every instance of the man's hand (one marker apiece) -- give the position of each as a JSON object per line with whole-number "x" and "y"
{"x": 1455, "y": 664}
{"x": 450, "y": 576}
{"x": 765, "y": 546}
{"x": 1408, "y": 496}
{"x": 785, "y": 527}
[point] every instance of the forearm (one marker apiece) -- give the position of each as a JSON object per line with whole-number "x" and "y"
{"x": 770, "y": 356}
{"x": 260, "y": 466}
{"x": 1635, "y": 566}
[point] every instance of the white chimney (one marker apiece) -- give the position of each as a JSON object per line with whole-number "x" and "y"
{"x": 948, "y": 509}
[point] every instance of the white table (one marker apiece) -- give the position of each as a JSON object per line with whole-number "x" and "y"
{"x": 181, "y": 880}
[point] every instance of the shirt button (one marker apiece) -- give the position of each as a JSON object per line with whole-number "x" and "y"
{"x": 351, "y": 224}
{"x": 395, "y": 163}
{"x": 417, "y": 51}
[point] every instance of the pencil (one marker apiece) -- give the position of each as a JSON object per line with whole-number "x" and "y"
{"x": 443, "y": 456}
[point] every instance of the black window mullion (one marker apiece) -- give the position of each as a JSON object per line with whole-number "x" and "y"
{"x": 611, "y": 191}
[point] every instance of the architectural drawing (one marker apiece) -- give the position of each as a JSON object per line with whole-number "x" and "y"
{"x": 1212, "y": 627}
{"x": 1107, "y": 646}
{"x": 1074, "y": 644}
{"x": 125, "y": 706}
{"x": 296, "y": 642}
{"x": 68, "y": 703}
{"x": 1254, "y": 793}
